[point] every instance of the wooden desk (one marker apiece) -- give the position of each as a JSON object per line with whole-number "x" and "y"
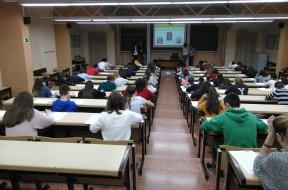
{"x": 224, "y": 75}
{"x": 99, "y": 81}
{"x": 251, "y": 91}
{"x": 222, "y": 68}
{"x": 83, "y": 104}
{"x": 168, "y": 63}
{"x": 5, "y": 93}
{"x": 241, "y": 169}
{"x": 246, "y": 80}
{"x": 220, "y": 71}
{"x": 78, "y": 87}
{"x": 45, "y": 162}
{"x": 74, "y": 94}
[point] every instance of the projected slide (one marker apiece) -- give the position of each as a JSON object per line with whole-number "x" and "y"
{"x": 168, "y": 35}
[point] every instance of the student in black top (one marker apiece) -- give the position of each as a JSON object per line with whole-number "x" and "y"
{"x": 203, "y": 89}
{"x": 192, "y": 87}
{"x": 226, "y": 84}
{"x": 238, "y": 88}
{"x": 219, "y": 80}
{"x": 90, "y": 92}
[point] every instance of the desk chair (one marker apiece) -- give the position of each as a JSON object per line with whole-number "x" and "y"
{"x": 120, "y": 142}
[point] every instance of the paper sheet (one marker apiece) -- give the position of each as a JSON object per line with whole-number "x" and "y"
{"x": 78, "y": 101}
{"x": 58, "y": 116}
{"x": 42, "y": 101}
{"x": 264, "y": 89}
{"x": 2, "y": 112}
{"x": 92, "y": 119}
{"x": 245, "y": 160}
{"x": 194, "y": 103}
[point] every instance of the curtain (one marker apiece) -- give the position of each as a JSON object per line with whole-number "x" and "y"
{"x": 97, "y": 47}
{"x": 245, "y": 46}
{"x": 222, "y": 36}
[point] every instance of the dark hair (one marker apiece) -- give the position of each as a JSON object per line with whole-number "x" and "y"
{"x": 116, "y": 102}
{"x": 225, "y": 84}
{"x": 109, "y": 78}
{"x": 203, "y": 89}
{"x": 63, "y": 89}
{"x": 212, "y": 101}
{"x": 274, "y": 76}
{"x": 233, "y": 100}
{"x": 20, "y": 110}
{"x": 201, "y": 79}
{"x": 284, "y": 80}
{"x": 130, "y": 91}
{"x": 263, "y": 73}
{"x": 279, "y": 85}
{"x": 122, "y": 73}
{"x": 38, "y": 84}
{"x": 140, "y": 83}
{"x": 104, "y": 59}
{"x": 185, "y": 44}
{"x": 280, "y": 124}
{"x": 88, "y": 89}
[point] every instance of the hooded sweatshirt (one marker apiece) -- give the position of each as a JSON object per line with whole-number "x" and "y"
{"x": 64, "y": 106}
{"x": 238, "y": 126}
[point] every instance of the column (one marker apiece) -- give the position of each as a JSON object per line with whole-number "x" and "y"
{"x": 15, "y": 49}
{"x": 282, "y": 58}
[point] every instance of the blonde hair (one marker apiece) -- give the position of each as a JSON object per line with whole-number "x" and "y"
{"x": 238, "y": 80}
{"x": 280, "y": 125}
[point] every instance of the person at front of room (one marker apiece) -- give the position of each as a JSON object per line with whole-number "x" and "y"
{"x": 21, "y": 119}
{"x": 272, "y": 167}
{"x": 191, "y": 54}
{"x": 185, "y": 53}
{"x": 238, "y": 126}
{"x": 115, "y": 123}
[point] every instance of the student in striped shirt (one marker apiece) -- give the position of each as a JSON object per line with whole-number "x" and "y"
{"x": 281, "y": 94}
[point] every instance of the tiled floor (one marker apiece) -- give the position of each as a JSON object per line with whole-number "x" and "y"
{"x": 171, "y": 162}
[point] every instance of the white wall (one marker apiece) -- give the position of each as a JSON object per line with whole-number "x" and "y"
{"x": 42, "y": 39}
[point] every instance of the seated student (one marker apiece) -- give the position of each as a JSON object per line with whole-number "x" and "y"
{"x": 137, "y": 63}
{"x": 211, "y": 104}
{"x": 153, "y": 79}
{"x": 64, "y": 104}
{"x": 142, "y": 89}
{"x": 239, "y": 87}
{"x": 103, "y": 64}
{"x": 41, "y": 90}
{"x": 21, "y": 119}
{"x": 272, "y": 81}
{"x": 115, "y": 123}
{"x": 186, "y": 76}
{"x": 262, "y": 77}
{"x": 232, "y": 65}
{"x": 84, "y": 76}
{"x": 226, "y": 84}
{"x": 132, "y": 66}
{"x": 212, "y": 75}
{"x": 271, "y": 167}
{"x": 128, "y": 70}
{"x": 135, "y": 102}
{"x": 191, "y": 86}
{"x": 284, "y": 80}
{"x": 238, "y": 126}
{"x": 203, "y": 89}
{"x": 108, "y": 86}
{"x": 119, "y": 79}
{"x": 281, "y": 94}
{"x": 219, "y": 80}
{"x": 90, "y": 70}
{"x": 90, "y": 92}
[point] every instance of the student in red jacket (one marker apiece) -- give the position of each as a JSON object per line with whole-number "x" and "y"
{"x": 90, "y": 70}
{"x": 142, "y": 89}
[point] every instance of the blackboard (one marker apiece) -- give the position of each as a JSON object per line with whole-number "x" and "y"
{"x": 131, "y": 35}
{"x": 204, "y": 37}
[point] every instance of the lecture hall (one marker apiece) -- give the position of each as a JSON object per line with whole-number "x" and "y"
{"x": 144, "y": 94}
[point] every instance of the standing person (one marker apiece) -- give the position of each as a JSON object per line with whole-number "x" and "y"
{"x": 141, "y": 52}
{"x": 191, "y": 54}
{"x": 271, "y": 167}
{"x": 115, "y": 123}
{"x": 21, "y": 119}
{"x": 64, "y": 104}
{"x": 185, "y": 53}
{"x": 41, "y": 90}
{"x": 135, "y": 50}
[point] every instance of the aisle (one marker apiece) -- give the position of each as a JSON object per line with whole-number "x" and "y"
{"x": 171, "y": 163}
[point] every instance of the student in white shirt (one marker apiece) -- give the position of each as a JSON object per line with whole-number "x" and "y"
{"x": 185, "y": 53}
{"x": 119, "y": 78}
{"x": 103, "y": 64}
{"x": 115, "y": 123}
{"x": 136, "y": 102}
{"x": 272, "y": 81}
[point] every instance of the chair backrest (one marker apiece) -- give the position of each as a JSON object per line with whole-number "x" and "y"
{"x": 17, "y": 138}
{"x": 100, "y": 141}
{"x": 61, "y": 140}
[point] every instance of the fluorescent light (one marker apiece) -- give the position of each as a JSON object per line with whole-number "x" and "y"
{"x": 129, "y": 3}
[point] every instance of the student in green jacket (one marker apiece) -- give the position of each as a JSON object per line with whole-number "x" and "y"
{"x": 108, "y": 86}
{"x": 239, "y": 127}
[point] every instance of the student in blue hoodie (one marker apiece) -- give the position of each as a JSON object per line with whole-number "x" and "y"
{"x": 63, "y": 104}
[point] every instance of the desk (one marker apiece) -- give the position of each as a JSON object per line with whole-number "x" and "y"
{"x": 249, "y": 80}
{"x": 241, "y": 169}
{"x": 87, "y": 163}
{"x": 94, "y": 105}
{"x": 5, "y": 93}
{"x": 220, "y": 71}
{"x": 79, "y": 87}
{"x": 224, "y": 75}
{"x": 251, "y": 91}
{"x": 99, "y": 81}
{"x": 170, "y": 63}
{"x": 74, "y": 94}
